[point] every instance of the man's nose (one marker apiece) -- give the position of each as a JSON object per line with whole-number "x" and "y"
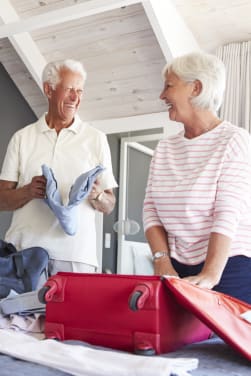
{"x": 73, "y": 94}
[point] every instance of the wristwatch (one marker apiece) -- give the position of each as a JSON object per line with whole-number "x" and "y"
{"x": 159, "y": 254}
{"x": 99, "y": 196}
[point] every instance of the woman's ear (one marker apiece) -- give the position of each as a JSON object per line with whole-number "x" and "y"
{"x": 47, "y": 90}
{"x": 197, "y": 88}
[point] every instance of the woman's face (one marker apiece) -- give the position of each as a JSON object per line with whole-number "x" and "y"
{"x": 177, "y": 95}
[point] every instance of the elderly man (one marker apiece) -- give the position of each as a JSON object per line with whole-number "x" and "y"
{"x": 69, "y": 147}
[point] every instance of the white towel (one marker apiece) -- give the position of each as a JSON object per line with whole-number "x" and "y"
{"x": 79, "y": 360}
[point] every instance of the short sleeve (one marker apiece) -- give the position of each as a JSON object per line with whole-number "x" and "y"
{"x": 10, "y": 167}
{"x": 107, "y": 178}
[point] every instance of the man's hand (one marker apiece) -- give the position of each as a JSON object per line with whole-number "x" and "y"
{"x": 37, "y": 187}
{"x": 96, "y": 190}
{"x": 103, "y": 201}
{"x": 12, "y": 198}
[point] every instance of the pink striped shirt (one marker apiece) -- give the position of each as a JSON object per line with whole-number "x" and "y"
{"x": 198, "y": 186}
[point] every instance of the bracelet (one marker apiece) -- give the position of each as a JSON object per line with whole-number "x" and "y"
{"x": 159, "y": 254}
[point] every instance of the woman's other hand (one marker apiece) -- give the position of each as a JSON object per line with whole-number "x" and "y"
{"x": 203, "y": 280}
{"x": 217, "y": 256}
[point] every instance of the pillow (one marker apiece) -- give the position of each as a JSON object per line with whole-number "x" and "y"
{"x": 142, "y": 259}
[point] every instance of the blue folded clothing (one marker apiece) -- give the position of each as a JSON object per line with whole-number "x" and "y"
{"x": 67, "y": 215}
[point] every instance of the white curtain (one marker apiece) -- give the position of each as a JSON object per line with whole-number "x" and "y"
{"x": 236, "y": 105}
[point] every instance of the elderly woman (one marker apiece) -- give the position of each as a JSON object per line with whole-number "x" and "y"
{"x": 197, "y": 208}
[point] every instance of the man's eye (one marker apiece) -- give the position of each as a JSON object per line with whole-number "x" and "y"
{"x": 70, "y": 90}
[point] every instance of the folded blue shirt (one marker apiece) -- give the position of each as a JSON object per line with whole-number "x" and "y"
{"x": 67, "y": 215}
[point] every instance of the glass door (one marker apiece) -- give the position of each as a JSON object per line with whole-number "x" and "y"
{"x": 135, "y": 158}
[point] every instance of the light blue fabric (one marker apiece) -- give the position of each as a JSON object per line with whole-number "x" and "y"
{"x": 67, "y": 215}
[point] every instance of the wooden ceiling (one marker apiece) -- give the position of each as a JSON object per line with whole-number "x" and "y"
{"x": 122, "y": 44}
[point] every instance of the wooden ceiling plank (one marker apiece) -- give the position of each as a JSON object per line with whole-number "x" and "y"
{"x": 23, "y": 44}
{"x": 58, "y": 16}
{"x": 174, "y": 37}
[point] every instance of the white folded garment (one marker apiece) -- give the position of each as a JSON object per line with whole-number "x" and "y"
{"x": 81, "y": 360}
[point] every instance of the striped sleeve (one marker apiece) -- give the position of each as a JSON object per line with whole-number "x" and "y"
{"x": 150, "y": 216}
{"x": 233, "y": 195}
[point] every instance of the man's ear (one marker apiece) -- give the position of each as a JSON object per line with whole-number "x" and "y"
{"x": 197, "y": 88}
{"x": 47, "y": 90}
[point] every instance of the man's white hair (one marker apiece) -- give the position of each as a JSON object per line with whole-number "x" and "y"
{"x": 206, "y": 68}
{"x": 51, "y": 72}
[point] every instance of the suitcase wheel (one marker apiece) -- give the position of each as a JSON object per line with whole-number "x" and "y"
{"x": 144, "y": 349}
{"x": 139, "y": 297}
{"x": 42, "y": 294}
{"x": 133, "y": 301}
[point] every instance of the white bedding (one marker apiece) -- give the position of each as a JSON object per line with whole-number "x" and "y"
{"x": 81, "y": 360}
{"x": 137, "y": 258}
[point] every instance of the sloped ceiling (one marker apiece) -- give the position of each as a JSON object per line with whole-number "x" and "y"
{"x": 123, "y": 45}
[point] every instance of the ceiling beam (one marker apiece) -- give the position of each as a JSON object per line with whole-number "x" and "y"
{"x": 138, "y": 122}
{"x": 173, "y": 35}
{"x": 58, "y": 16}
{"x": 23, "y": 44}
{"x": 30, "y": 55}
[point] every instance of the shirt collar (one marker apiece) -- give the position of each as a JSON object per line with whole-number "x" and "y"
{"x": 74, "y": 127}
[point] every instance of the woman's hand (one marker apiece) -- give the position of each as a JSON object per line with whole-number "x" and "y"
{"x": 163, "y": 266}
{"x": 217, "y": 256}
{"x": 203, "y": 280}
{"x": 157, "y": 239}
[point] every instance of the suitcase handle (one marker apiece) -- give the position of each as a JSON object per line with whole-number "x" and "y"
{"x": 52, "y": 290}
{"x": 42, "y": 294}
{"x": 139, "y": 296}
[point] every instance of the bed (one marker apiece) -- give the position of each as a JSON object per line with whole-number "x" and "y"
{"x": 213, "y": 357}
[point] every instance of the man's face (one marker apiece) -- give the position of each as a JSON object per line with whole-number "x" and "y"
{"x": 66, "y": 97}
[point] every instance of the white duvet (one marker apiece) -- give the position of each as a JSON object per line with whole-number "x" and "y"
{"x": 85, "y": 361}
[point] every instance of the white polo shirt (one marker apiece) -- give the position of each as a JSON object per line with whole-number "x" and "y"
{"x": 72, "y": 152}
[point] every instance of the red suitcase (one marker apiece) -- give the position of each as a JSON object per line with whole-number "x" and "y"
{"x": 132, "y": 313}
{"x": 224, "y": 314}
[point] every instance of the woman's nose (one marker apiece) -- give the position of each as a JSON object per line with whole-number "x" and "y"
{"x": 162, "y": 95}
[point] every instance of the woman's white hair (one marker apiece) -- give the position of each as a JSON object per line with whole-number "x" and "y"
{"x": 206, "y": 68}
{"x": 51, "y": 72}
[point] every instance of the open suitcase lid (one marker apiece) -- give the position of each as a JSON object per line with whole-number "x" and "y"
{"x": 220, "y": 312}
